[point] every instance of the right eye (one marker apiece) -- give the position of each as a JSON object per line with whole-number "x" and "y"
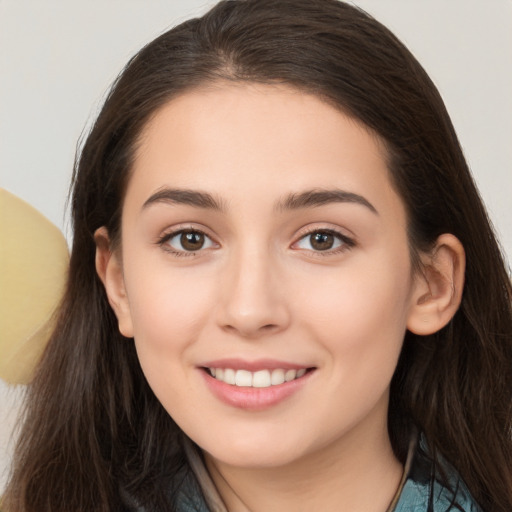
{"x": 187, "y": 241}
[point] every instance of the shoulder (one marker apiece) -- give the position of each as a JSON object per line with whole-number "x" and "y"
{"x": 187, "y": 497}
{"x": 426, "y": 497}
{"x": 426, "y": 490}
{"x": 190, "y": 497}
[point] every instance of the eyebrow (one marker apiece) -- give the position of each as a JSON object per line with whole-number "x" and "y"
{"x": 184, "y": 196}
{"x": 319, "y": 197}
{"x": 295, "y": 201}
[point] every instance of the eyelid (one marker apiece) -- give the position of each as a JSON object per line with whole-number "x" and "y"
{"x": 347, "y": 242}
{"x": 173, "y": 231}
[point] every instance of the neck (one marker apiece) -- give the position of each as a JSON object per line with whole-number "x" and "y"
{"x": 357, "y": 473}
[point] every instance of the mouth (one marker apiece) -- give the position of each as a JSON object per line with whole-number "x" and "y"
{"x": 264, "y": 378}
{"x": 255, "y": 385}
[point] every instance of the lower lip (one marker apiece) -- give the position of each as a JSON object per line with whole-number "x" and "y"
{"x": 254, "y": 399}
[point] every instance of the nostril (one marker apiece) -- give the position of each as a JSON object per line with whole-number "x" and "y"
{"x": 247, "y": 330}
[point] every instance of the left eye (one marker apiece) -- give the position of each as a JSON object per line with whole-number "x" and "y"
{"x": 320, "y": 241}
{"x": 189, "y": 241}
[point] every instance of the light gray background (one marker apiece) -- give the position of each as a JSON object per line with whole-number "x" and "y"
{"x": 58, "y": 57}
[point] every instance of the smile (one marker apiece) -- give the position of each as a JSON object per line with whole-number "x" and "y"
{"x": 255, "y": 385}
{"x": 257, "y": 379}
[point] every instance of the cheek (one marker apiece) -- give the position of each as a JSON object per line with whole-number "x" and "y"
{"x": 165, "y": 300}
{"x": 360, "y": 317}
{"x": 167, "y": 318}
{"x": 168, "y": 309}
{"x": 359, "y": 300}
{"x": 360, "y": 321}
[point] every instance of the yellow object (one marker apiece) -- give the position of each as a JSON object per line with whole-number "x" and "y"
{"x": 34, "y": 262}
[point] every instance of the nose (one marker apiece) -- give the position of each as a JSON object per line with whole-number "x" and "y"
{"x": 253, "y": 302}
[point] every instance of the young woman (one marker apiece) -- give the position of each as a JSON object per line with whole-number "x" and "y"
{"x": 284, "y": 292}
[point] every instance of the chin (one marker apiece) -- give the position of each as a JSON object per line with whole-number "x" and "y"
{"x": 255, "y": 458}
{"x": 253, "y": 452}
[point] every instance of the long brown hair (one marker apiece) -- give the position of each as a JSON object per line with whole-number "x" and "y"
{"x": 93, "y": 426}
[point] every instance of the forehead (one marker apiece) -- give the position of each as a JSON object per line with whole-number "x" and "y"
{"x": 239, "y": 138}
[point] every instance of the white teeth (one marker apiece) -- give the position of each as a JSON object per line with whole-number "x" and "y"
{"x": 259, "y": 379}
{"x": 290, "y": 375}
{"x": 277, "y": 377}
{"x": 243, "y": 378}
{"x": 229, "y": 376}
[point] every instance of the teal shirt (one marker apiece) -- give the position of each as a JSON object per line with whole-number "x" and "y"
{"x": 421, "y": 490}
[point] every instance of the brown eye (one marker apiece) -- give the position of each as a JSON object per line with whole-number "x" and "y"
{"x": 322, "y": 241}
{"x": 192, "y": 240}
{"x": 187, "y": 241}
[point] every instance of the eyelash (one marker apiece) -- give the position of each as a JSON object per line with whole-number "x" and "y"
{"x": 346, "y": 243}
{"x": 163, "y": 241}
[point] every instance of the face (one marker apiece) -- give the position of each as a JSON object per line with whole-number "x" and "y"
{"x": 265, "y": 273}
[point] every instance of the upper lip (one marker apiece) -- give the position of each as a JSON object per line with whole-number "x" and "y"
{"x": 253, "y": 366}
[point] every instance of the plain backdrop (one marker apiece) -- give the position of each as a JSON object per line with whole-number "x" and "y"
{"x": 58, "y": 57}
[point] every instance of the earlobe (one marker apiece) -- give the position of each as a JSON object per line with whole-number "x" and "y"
{"x": 438, "y": 287}
{"x": 109, "y": 270}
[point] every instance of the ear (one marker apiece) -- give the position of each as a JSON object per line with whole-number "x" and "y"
{"x": 109, "y": 269}
{"x": 438, "y": 287}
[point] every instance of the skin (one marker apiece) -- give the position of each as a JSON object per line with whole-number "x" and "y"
{"x": 259, "y": 289}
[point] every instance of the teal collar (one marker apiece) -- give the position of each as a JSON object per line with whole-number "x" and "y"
{"x": 424, "y": 489}
{"x": 426, "y": 486}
